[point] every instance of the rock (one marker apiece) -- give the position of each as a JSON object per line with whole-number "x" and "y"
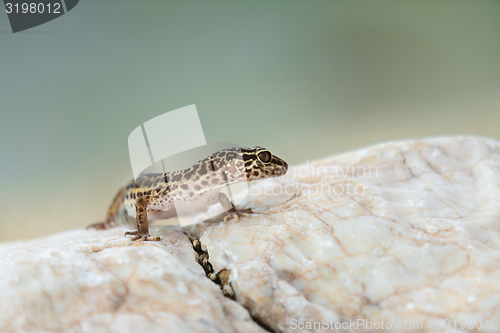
{"x": 98, "y": 281}
{"x": 402, "y": 233}
{"x": 403, "y": 236}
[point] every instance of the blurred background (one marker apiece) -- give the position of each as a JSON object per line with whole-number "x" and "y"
{"x": 306, "y": 79}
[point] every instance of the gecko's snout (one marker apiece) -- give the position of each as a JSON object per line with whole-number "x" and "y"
{"x": 283, "y": 169}
{"x": 280, "y": 167}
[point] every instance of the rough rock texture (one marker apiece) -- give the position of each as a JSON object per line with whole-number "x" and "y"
{"x": 404, "y": 232}
{"x": 90, "y": 281}
{"x": 403, "y": 236}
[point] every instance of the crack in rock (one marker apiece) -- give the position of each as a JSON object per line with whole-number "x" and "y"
{"x": 222, "y": 279}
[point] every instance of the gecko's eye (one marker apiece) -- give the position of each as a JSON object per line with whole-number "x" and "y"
{"x": 264, "y": 156}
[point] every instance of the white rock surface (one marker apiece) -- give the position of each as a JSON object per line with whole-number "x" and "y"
{"x": 403, "y": 233}
{"x": 91, "y": 281}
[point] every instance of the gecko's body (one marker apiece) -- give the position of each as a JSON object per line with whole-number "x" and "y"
{"x": 155, "y": 196}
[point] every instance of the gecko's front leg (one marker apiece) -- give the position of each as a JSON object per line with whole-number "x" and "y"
{"x": 141, "y": 218}
{"x": 230, "y": 210}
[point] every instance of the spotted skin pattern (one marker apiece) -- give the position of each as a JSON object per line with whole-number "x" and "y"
{"x": 154, "y": 196}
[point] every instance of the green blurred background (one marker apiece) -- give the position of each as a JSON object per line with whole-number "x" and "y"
{"x": 306, "y": 79}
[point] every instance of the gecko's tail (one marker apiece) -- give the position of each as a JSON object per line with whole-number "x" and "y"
{"x": 114, "y": 210}
{"x": 116, "y": 213}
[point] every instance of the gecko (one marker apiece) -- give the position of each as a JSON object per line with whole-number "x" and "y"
{"x": 155, "y": 195}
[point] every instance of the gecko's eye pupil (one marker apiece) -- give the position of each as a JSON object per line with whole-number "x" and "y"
{"x": 264, "y": 156}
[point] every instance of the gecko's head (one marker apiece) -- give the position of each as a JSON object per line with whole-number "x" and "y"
{"x": 261, "y": 163}
{"x": 247, "y": 164}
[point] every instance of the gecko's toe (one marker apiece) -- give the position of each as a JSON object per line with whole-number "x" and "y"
{"x": 236, "y": 214}
{"x": 139, "y": 237}
{"x": 230, "y": 216}
{"x": 133, "y": 233}
{"x": 101, "y": 225}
